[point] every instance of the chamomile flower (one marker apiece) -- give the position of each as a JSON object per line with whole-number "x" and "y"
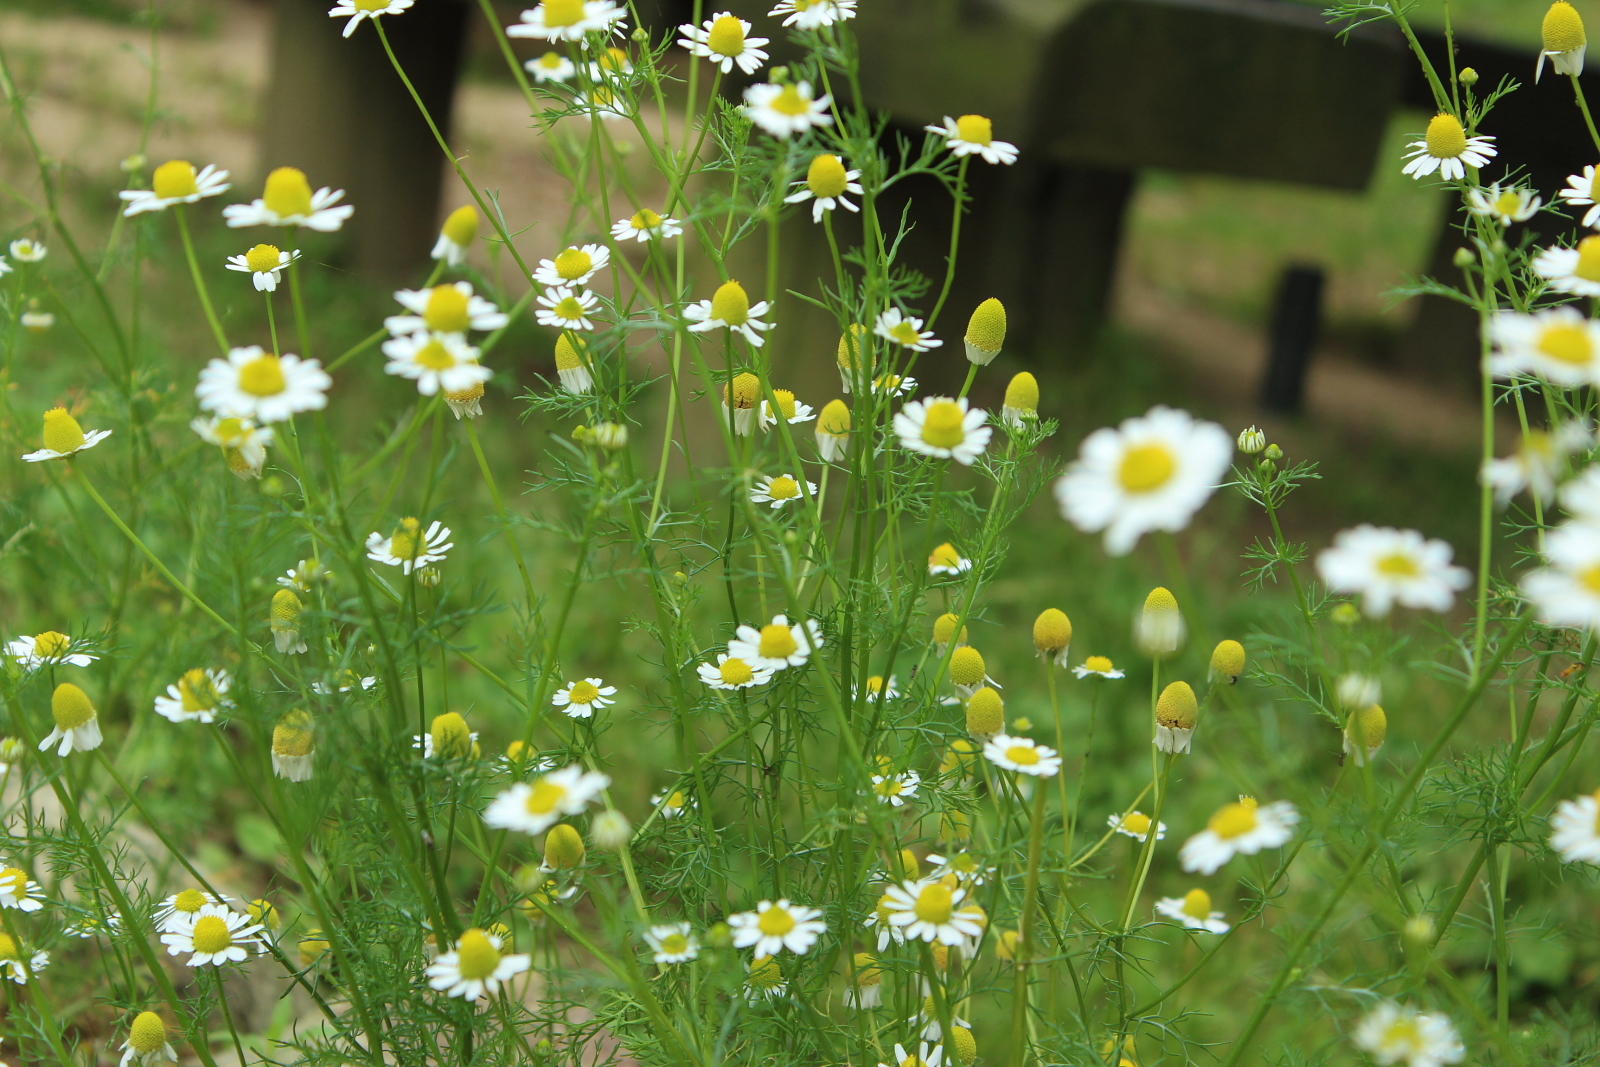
{"x": 944, "y": 428}
{"x": 1558, "y": 344}
{"x": 1391, "y": 1033}
{"x": 923, "y": 1057}
{"x": 345, "y": 681}
{"x": 450, "y": 308}
{"x": 964, "y": 865}
{"x": 793, "y": 411}
{"x": 732, "y": 672}
{"x": 777, "y": 645}
{"x": 196, "y": 697}
{"x": 1537, "y": 463}
{"x": 614, "y": 66}
{"x": 785, "y": 110}
{"x": 895, "y": 789}
{"x": 779, "y": 491}
{"x": 672, "y": 943}
{"x": 46, "y": 649}
{"x": 285, "y": 622}
{"x": 27, "y": 250}
{"x": 895, "y": 325}
{"x": 968, "y": 672}
{"x": 1581, "y": 192}
{"x": 568, "y": 20}
{"x": 1388, "y": 566}
{"x": 930, "y": 910}
{"x": 740, "y": 399}
{"x": 566, "y": 308}
{"x": 465, "y": 403}
{"x": 1581, "y": 496}
{"x": 1022, "y": 755}
{"x": 175, "y": 182}
{"x": 729, "y": 309}
{"x": 825, "y": 184}
{"x": 1446, "y": 148}
{"x": 63, "y": 437}
{"x": 1563, "y": 41}
{"x": 551, "y": 67}
{"x": 1566, "y": 591}
{"x": 216, "y": 935}
{"x": 673, "y": 803}
{"x": 252, "y": 384}
{"x": 436, "y": 361}
{"x": 1575, "y": 829}
{"x": 878, "y": 688}
{"x": 19, "y": 891}
{"x": 408, "y": 547}
{"x": 573, "y": 266}
{"x": 1158, "y": 628}
{"x": 1364, "y": 734}
{"x": 147, "y": 1042}
{"x": 865, "y": 990}
{"x": 894, "y": 384}
{"x": 77, "y": 724}
{"x": 776, "y": 925}
{"x": 244, "y": 444}
{"x": 532, "y": 808}
{"x": 265, "y": 265}
{"x": 1193, "y": 910}
{"x": 36, "y": 321}
{"x": 305, "y": 574}
{"x": 460, "y": 229}
{"x": 356, "y": 10}
{"x": 764, "y": 979}
{"x": 580, "y": 699}
{"x": 287, "y": 200}
{"x": 5, "y": 268}
{"x": 973, "y": 135}
{"x": 833, "y": 432}
{"x": 294, "y": 746}
{"x": 1152, "y": 472}
{"x": 1135, "y": 824}
{"x": 1505, "y": 206}
{"x": 11, "y": 753}
{"x": 726, "y": 41}
{"x": 1176, "y": 711}
{"x": 813, "y": 14}
{"x": 946, "y": 560}
{"x": 645, "y": 225}
{"x": 476, "y": 967}
{"x": 878, "y": 920}
{"x": 1572, "y": 270}
{"x": 17, "y": 967}
{"x": 1238, "y": 829}
{"x": 933, "y": 1027}
{"x": 180, "y": 909}
{"x": 448, "y": 737}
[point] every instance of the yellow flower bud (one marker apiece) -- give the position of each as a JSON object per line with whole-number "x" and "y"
{"x": 1227, "y": 660}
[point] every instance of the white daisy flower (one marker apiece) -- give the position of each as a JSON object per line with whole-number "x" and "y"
{"x": 460, "y": 229}
{"x": 1538, "y": 463}
{"x": 243, "y": 443}
{"x": 265, "y": 265}
{"x": 731, "y": 672}
{"x": 450, "y": 308}
{"x": 1581, "y": 496}
{"x": 1580, "y": 192}
{"x": 533, "y": 808}
{"x": 794, "y": 412}
{"x": 904, "y": 330}
{"x": 729, "y": 309}
{"x": 252, "y": 384}
{"x": 1575, "y": 829}
{"x": 305, "y": 574}
{"x": 175, "y": 182}
{"x": 475, "y": 967}
{"x": 1446, "y": 148}
{"x": 945, "y": 560}
{"x": 741, "y": 400}
{"x": 878, "y": 920}
{"x": 435, "y": 361}
{"x": 643, "y": 225}
{"x": 1559, "y": 345}
{"x": 285, "y": 621}
{"x": 943, "y": 428}
{"x": 1564, "y": 41}
{"x": 865, "y": 990}
{"x": 895, "y": 789}
{"x": 1388, "y": 566}
{"x": 878, "y": 688}
{"x": 1152, "y": 472}
{"x": 1572, "y": 270}
{"x": 813, "y": 14}
{"x": 566, "y": 309}
{"x": 1566, "y": 591}
{"x": 1238, "y": 829}
{"x": 573, "y": 266}
{"x": 180, "y": 910}
{"x": 929, "y": 910}
{"x": 14, "y": 966}
{"x": 63, "y": 437}
{"x": 825, "y": 184}
{"x": 606, "y": 103}
{"x": 346, "y": 681}
{"x": 196, "y": 697}
{"x": 785, "y": 110}
{"x": 726, "y": 41}
{"x": 19, "y": 891}
{"x": 46, "y": 649}
{"x": 1022, "y": 755}
{"x": 673, "y": 803}
{"x": 147, "y": 1042}
{"x": 1391, "y": 1033}
{"x": 924, "y": 1056}
{"x": 1135, "y": 824}
{"x": 356, "y": 10}
{"x": 288, "y": 201}
{"x": 5, "y": 268}
{"x": 77, "y": 724}
{"x": 216, "y": 935}
{"x": 568, "y": 20}
{"x": 964, "y": 865}
{"x": 894, "y": 384}
{"x": 1098, "y": 665}
{"x": 779, "y": 491}
{"x": 614, "y": 66}
{"x": 27, "y": 250}
{"x": 37, "y": 321}
{"x": 672, "y": 943}
{"x": 448, "y": 735}
{"x": 1505, "y": 206}
{"x": 764, "y": 979}
{"x": 11, "y": 753}
{"x": 1193, "y": 910}
{"x": 580, "y": 699}
{"x": 294, "y": 750}
{"x": 551, "y": 67}
{"x": 408, "y": 547}
{"x": 776, "y": 645}
{"x": 932, "y": 1027}
{"x": 972, "y": 135}
{"x": 777, "y": 925}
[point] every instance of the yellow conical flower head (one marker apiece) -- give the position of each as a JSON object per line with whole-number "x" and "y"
{"x": 835, "y": 418}
{"x": 966, "y": 667}
{"x": 261, "y": 911}
{"x": 975, "y": 129}
{"x": 731, "y": 304}
{"x": 1588, "y": 269}
{"x": 446, "y": 311}
{"x": 1370, "y": 726}
{"x": 852, "y": 343}
{"x": 944, "y": 629}
{"x": 742, "y": 392}
{"x": 785, "y": 399}
{"x": 312, "y": 946}
{"x": 70, "y": 706}
{"x": 826, "y": 177}
{"x": 263, "y": 258}
{"x": 176, "y": 177}
{"x": 1563, "y": 28}
{"x": 1177, "y": 708}
{"x": 1227, "y": 660}
{"x": 462, "y": 225}
{"x": 1005, "y": 946}
{"x": 62, "y": 432}
{"x": 477, "y": 956}
{"x": 960, "y": 756}
{"x": 1197, "y": 904}
{"x": 1052, "y": 631}
{"x": 906, "y": 864}
{"x": 285, "y": 610}
{"x": 1160, "y": 627}
{"x": 288, "y": 192}
{"x": 867, "y": 970}
{"x": 451, "y": 737}
{"x": 986, "y": 329}
{"x": 148, "y": 1032}
{"x": 292, "y": 735}
{"x": 986, "y": 713}
{"x": 563, "y": 847}
{"x": 935, "y": 904}
{"x": 1022, "y": 395}
{"x": 764, "y": 973}
{"x": 966, "y": 1045}
{"x": 571, "y": 352}
{"x": 8, "y": 948}
{"x": 1446, "y": 139}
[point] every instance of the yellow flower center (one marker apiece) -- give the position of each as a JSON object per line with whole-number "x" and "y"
{"x": 148, "y": 1033}
{"x": 263, "y": 258}
{"x": 1136, "y": 822}
{"x": 1563, "y": 28}
{"x": 51, "y": 645}
{"x": 189, "y": 901}
{"x": 614, "y": 60}
{"x": 826, "y": 177}
{"x": 1146, "y": 468}
{"x": 935, "y": 904}
{"x": 14, "y": 880}
{"x": 570, "y": 309}
{"x": 790, "y": 102}
{"x": 551, "y": 60}
{"x": 211, "y": 934}
{"x": 406, "y": 542}
{"x": 966, "y": 666}
{"x": 944, "y": 556}
{"x": 783, "y": 487}
{"x": 472, "y": 392}
{"x": 645, "y": 219}
{"x": 197, "y": 691}
{"x": 1233, "y": 820}
{"x": 62, "y": 432}
{"x": 230, "y": 432}
{"x": 292, "y": 738}
{"x": 904, "y": 333}
{"x": 742, "y": 390}
{"x": 447, "y": 310}
{"x": 775, "y": 922}
{"x": 434, "y": 356}
{"x": 726, "y": 37}
{"x": 544, "y": 797}
{"x": 674, "y": 944}
{"x": 731, "y": 304}
{"x": 1445, "y": 138}
{"x": 562, "y": 12}
{"x": 835, "y": 419}
{"x": 1402, "y": 1032}
{"x": 173, "y": 179}
{"x": 477, "y": 956}
{"x": 1102, "y": 664}
{"x": 1507, "y": 203}
{"x": 584, "y": 692}
{"x": 563, "y": 847}
{"x": 944, "y": 424}
{"x": 736, "y": 671}
{"x": 8, "y": 948}
{"x": 1590, "y": 577}
{"x": 889, "y": 787}
{"x": 70, "y": 707}
{"x": 986, "y": 329}
{"x": 975, "y": 129}
{"x": 875, "y": 684}
{"x": 1588, "y": 267}
{"x": 777, "y": 642}
{"x": 371, "y": 5}
{"x": 677, "y": 799}
{"x": 765, "y": 972}
{"x": 288, "y": 193}
{"x": 573, "y": 263}
{"x": 785, "y": 400}
{"x": 263, "y": 376}
{"x": 285, "y": 609}
{"x": 1197, "y": 904}
{"x": 1567, "y": 343}
{"x": 1025, "y": 755}
{"x": 462, "y": 225}
{"x": 1398, "y": 565}
{"x": 568, "y": 349}
{"x": 452, "y": 738}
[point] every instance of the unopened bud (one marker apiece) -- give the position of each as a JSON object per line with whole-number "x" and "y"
{"x": 1464, "y": 257}
{"x": 1252, "y": 441}
{"x": 1273, "y": 453}
{"x": 1468, "y": 76}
